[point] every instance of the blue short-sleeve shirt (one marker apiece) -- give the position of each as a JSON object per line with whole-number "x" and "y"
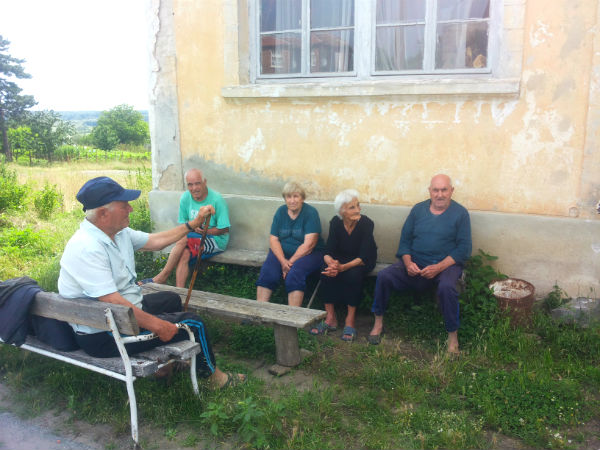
{"x": 94, "y": 265}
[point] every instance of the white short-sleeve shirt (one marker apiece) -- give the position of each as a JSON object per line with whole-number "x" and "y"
{"x": 94, "y": 265}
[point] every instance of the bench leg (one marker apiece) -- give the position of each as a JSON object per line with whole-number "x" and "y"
{"x": 287, "y": 346}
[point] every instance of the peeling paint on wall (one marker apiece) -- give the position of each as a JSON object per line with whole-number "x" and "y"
{"x": 539, "y": 34}
{"x": 501, "y": 111}
{"x": 256, "y": 142}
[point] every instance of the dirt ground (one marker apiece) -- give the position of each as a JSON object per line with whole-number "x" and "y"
{"x": 56, "y": 430}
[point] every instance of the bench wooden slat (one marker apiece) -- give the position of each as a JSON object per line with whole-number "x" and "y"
{"x": 83, "y": 312}
{"x": 252, "y": 258}
{"x": 179, "y": 350}
{"x": 141, "y": 366}
{"x": 256, "y": 258}
{"x": 243, "y": 308}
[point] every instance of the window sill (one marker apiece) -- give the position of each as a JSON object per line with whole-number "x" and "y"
{"x": 448, "y": 87}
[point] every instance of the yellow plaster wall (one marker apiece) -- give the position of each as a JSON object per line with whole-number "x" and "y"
{"x": 522, "y": 155}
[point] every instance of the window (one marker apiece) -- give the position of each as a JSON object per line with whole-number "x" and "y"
{"x": 367, "y": 39}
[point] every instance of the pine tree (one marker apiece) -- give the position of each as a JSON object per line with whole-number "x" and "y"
{"x": 12, "y": 104}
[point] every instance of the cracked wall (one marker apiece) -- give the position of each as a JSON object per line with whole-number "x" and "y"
{"x": 536, "y": 154}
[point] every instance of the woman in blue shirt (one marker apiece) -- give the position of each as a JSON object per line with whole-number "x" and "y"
{"x": 295, "y": 247}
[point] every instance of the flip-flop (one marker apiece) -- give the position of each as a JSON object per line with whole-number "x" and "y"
{"x": 145, "y": 280}
{"x": 348, "y": 331}
{"x": 322, "y": 328}
{"x": 234, "y": 380}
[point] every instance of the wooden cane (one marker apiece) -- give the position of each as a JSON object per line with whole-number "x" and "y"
{"x": 198, "y": 261}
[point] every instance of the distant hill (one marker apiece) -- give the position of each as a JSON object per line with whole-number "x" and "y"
{"x": 84, "y": 121}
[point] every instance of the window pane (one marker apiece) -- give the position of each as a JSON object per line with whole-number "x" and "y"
{"x": 331, "y": 13}
{"x": 279, "y": 15}
{"x": 280, "y": 53}
{"x": 463, "y": 9}
{"x": 399, "y": 48}
{"x": 390, "y": 11}
{"x": 332, "y": 51}
{"x": 461, "y": 46}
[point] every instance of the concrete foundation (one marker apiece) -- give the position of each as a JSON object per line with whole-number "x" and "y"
{"x": 542, "y": 250}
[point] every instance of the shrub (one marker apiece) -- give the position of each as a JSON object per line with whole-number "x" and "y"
{"x": 47, "y": 201}
{"x": 554, "y": 299}
{"x": 478, "y": 305}
{"x": 25, "y": 243}
{"x": 12, "y": 194}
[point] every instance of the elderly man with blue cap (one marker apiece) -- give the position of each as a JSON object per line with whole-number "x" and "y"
{"x": 98, "y": 264}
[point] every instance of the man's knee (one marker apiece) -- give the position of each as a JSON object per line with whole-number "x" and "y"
{"x": 184, "y": 259}
{"x": 389, "y": 275}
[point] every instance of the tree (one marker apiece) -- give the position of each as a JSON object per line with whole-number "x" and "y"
{"x": 22, "y": 141}
{"x": 120, "y": 125}
{"x": 49, "y": 131}
{"x": 12, "y": 104}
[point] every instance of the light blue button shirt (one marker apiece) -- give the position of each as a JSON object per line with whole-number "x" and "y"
{"x": 94, "y": 265}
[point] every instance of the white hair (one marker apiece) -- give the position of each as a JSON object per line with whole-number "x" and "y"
{"x": 90, "y": 214}
{"x": 346, "y": 196}
{"x": 193, "y": 169}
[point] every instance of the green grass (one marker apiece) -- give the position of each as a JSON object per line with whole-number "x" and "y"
{"x": 539, "y": 385}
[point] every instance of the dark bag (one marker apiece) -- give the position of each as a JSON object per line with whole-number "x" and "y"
{"x": 161, "y": 302}
{"x": 55, "y": 333}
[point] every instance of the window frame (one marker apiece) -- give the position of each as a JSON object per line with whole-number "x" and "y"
{"x": 365, "y": 29}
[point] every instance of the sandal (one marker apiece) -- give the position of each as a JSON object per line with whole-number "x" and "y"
{"x": 349, "y": 334}
{"x": 375, "y": 339}
{"x": 234, "y": 380}
{"x": 322, "y": 328}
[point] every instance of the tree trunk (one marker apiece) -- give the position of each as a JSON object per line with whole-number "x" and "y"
{"x": 5, "y": 147}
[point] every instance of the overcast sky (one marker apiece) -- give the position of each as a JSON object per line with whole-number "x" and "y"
{"x": 81, "y": 54}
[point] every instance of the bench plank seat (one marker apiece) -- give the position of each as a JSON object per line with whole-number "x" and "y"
{"x": 284, "y": 319}
{"x": 255, "y": 258}
{"x": 141, "y": 366}
{"x": 242, "y": 308}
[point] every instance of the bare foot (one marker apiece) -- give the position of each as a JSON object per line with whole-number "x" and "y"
{"x": 453, "y": 343}
{"x": 377, "y": 326}
{"x": 158, "y": 279}
{"x": 220, "y": 379}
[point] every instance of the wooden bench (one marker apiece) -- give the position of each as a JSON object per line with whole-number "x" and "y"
{"x": 119, "y": 320}
{"x": 255, "y": 258}
{"x": 284, "y": 319}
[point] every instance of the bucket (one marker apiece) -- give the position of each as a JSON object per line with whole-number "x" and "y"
{"x": 514, "y": 297}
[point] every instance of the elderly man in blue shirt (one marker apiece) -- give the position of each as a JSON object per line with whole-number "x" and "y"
{"x": 434, "y": 245}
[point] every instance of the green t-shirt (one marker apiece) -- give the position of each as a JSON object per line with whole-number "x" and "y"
{"x": 188, "y": 210}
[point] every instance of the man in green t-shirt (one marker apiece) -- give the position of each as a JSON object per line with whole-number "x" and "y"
{"x": 185, "y": 252}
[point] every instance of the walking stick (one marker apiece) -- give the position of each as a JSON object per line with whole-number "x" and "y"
{"x": 198, "y": 261}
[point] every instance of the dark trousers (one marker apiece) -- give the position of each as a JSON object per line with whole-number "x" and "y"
{"x": 345, "y": 288}
{"x": 395, "y": 277}
{"x": 166, "y": 306}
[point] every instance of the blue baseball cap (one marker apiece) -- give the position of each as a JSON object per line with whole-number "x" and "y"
{"x": 102, "y": 190}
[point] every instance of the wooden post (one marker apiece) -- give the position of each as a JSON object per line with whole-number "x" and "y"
{"x": 287, "y": 346}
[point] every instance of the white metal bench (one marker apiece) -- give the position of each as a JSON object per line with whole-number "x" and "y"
{"x": 120, "y": 320}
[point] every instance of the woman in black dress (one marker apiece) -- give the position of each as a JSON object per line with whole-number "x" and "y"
{"x": 350, "y": 255}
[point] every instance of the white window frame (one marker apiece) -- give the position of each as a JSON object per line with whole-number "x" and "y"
{"x": 501, "y": 81}
{"x": 365, "y": 28}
